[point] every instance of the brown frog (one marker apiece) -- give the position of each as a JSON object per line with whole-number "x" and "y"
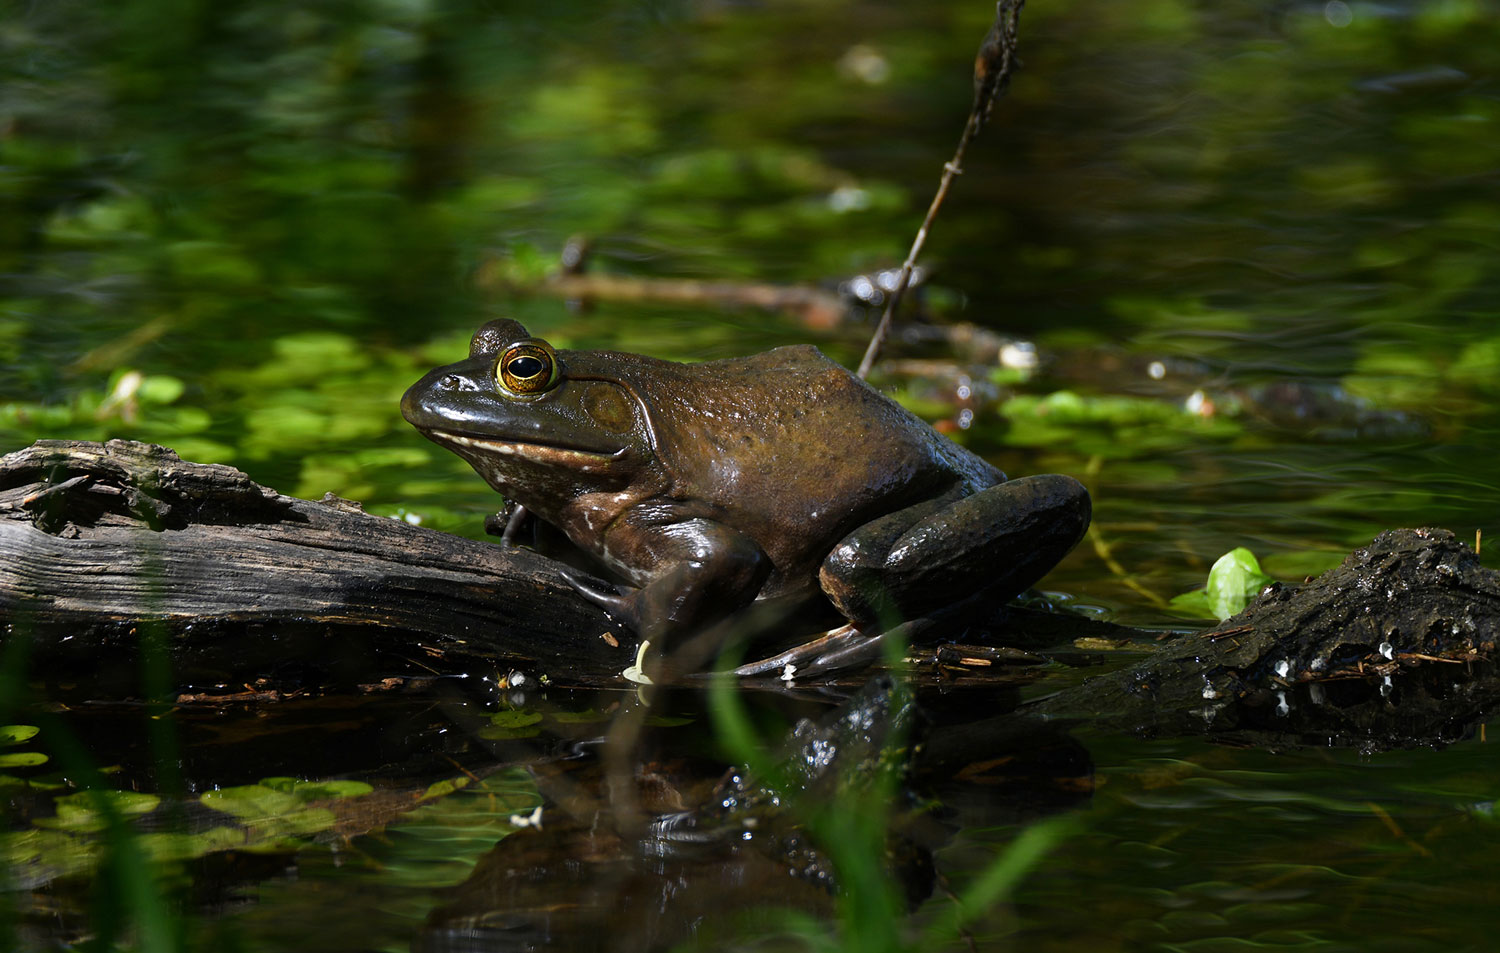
{"x": 707, "y": 486}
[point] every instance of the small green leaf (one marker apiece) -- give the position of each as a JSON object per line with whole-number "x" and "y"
{"x": 1235, "y": 579}
{"x": 15, "y": 734}
{"x": 515, "y": 719}
{"x": 22, "y": 759}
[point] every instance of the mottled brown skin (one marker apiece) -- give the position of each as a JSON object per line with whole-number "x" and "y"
{"x": 706, "y": 486}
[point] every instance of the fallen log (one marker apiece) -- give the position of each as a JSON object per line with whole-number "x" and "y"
{"x": 101, "y": 542}
{"x": 1392, "y": 648}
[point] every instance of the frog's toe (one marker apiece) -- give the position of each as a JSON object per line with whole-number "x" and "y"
{"x": 811, "y": 658}
{"x": 847, "y": 648}
{"x": 621, "y": 606}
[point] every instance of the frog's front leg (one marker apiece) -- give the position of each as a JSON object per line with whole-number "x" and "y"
{"x": 695, "y": 572}
{"x": 917, "y": 561}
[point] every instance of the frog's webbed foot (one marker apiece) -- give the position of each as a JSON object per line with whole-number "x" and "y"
{"x": 848, "y": 648}
{"x": 841, "y": 648}
{"x": 620, "y": 604}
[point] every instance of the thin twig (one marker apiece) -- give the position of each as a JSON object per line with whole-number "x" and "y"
{"x": 1394, "y": 828}
{"x": 992, "y": 69}
{"x": 1103, "y": 550}
{"x": 1228, "y": 633}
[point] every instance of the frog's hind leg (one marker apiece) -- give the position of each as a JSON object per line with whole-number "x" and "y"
{"x": 918, "y": 561}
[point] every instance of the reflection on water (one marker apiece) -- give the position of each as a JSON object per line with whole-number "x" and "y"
{"x": 1175, "y": 841}
{"x": 242, "y": 231}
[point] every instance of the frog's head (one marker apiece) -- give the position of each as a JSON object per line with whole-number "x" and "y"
{"x": 521, "y": 412}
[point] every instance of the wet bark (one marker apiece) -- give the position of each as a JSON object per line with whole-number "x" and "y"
{"x": 114, "y": 552}
{"x": 1392, "y": 648}
{"x": 104, "y": 545}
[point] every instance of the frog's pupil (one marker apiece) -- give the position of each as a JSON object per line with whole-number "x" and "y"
{"x": 526, "y": 367}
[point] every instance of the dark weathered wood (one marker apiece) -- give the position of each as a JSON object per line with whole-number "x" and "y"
{"x": 1393, "y": 647}
{"x": 97, "y": 539}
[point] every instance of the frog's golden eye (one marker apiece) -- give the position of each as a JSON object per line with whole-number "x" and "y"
{"x": 527, "y": 368}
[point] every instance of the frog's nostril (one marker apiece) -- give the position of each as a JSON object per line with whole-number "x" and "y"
{"x": 451, "y": 382}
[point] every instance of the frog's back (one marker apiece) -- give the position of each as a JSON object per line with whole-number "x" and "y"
{"x": 788, "y": 445}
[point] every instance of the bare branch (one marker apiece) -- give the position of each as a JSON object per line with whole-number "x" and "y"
{"x": 992, "y": 70}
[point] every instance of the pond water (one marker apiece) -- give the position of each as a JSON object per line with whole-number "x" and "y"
{"x": 1255, "y": 246}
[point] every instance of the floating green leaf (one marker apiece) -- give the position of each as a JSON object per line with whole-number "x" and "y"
{"x": 512, "y": 724}
{"x": 22, "y": 759}
{"x": 1235, "y": 579}
{"x": 317, "y": 790}
{"x": 273, "y": 819}
{"x": 515, "y": 719}
{"x": 85, "y": 812}
{"x": 15, "y": 734}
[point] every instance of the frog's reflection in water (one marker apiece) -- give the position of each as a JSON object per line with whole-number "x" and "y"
{"x": 724, "y": 850}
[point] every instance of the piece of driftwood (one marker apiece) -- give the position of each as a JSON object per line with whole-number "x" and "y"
{"x": 1393, "y": 647}
{"x": 101, "y": 542}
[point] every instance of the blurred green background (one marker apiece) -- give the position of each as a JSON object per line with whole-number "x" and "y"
{"x": 1255, "y": 245}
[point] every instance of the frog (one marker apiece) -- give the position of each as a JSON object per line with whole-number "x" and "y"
{"x": 706, "y": 487}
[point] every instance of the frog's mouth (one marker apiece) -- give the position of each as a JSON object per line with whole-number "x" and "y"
{"x": 551, "y": 454}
